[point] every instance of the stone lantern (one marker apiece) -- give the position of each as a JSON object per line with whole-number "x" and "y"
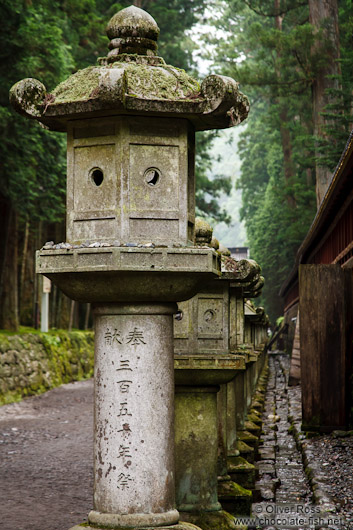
{"x": 130, "y": 123}
{"x": 208, "y": 361}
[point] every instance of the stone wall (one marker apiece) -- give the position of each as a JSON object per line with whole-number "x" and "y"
{"x": 33, "y": 363}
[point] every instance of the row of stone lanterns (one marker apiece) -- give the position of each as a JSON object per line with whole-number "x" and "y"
{"x": 131, "y": 252}
{"x": 216, "y": 372}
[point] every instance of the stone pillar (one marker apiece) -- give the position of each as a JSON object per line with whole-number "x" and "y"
{"x": 233, "y": 497}
{"x": 240, "y": 400}
{"x": 231, "y": 407}
{"x": 134, "y": 398}
{"x": 198, "y": 379}
{"x": 196, "y": 449}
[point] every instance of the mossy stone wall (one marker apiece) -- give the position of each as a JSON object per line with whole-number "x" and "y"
{"x": 33, "y": 363}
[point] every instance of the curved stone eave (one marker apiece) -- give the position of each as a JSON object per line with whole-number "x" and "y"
{"x": 57, "y": 115}
{"x": 253, "y": 294}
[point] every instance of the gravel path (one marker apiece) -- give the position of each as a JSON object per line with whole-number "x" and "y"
{"x": 46, "y": 458}
{"x": 289, "y": 458}
{"x": 329, "y": 462}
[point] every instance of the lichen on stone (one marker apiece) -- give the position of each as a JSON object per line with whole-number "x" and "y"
{"x": 140, "y": 80}
{"x": 159, "y": 82}
{"x": 78, "y": 87}
{"x": 27, "y": 96}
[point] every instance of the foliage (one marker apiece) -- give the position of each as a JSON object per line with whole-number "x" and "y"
{"x": 339, "y": 111}
{"x": 208, "y": 190}
{"x": 33, "y": 162}
{"x": 273, "y": 51}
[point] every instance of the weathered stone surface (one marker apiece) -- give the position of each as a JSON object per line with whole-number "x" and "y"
{"x": 241, "y": 472}
{"x": 280, "y": 473}
{"x": 206, "y": 369}
{"x": 27, "y": 97}
{"x": 180, "y": 526}
{"x": 246, "y": 451}
{"x": 126, "y": 274}
{"x": 196, "y": 446}
{"x": 219, "y": 520}
{"x": 134, "y": 381}
{"x": 234, "y": 498}
{"x": 203, "y": 232}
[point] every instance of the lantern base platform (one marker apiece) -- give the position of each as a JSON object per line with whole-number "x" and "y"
{"x": 179, "y": 526}
{"x": 129, "y": 274}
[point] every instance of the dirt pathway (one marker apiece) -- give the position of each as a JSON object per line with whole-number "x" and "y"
{"x": 46, "y": 457}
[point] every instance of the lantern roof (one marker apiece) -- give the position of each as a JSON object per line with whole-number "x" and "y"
{"x": 133, "y": 80}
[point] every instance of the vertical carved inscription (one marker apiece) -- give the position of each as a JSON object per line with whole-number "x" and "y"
{"x": 123, "y": 349}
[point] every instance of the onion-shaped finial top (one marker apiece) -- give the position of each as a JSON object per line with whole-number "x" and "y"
{"x": 203, "y": 232}
{"x": 133, "y": 31}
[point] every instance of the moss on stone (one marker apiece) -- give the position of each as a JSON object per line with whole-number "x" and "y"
{"x": 218, "y": 520}
{"x": 239, "y": 465}
{"x": 78, "y": 87}
{"x": 232, "y": 489}
{"x": 203, "y": 232}
{"x": 159, "y": 82}
{"x": 162, "y": 82}
{"x": 27, "y": 95}
{"x": 34, "y": 363}
{"x": 252, "y": 427}
{"x": 255, "y": 417}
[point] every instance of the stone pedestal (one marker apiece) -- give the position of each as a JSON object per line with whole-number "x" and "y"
{"x": 195, "y": 413}
{"x": 134, "y": 391}
{"x": 233, "y": 497}
{"x": 240, "y": 399}
{"x": 249, "y": 378}
{"x": 196, "y": 435}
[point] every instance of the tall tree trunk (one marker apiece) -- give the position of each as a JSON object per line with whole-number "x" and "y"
{"x": 88, "y": 311}
{"x": 324, "y": 14}
{"x": 23, "y": 262}
{"x": 36, "y": 312}
{"x": 72, "y": 312}
{"x": 9, "y": 271}
{"x": 283, "y": 120}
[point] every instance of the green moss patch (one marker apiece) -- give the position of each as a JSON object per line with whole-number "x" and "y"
{"x": 32, "y": 363}
{"x": 78, "y": 87}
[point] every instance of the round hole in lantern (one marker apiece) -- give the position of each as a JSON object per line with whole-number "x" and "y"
{"x": 179, "y": 315}
{"x": 97, "y": 176}
{"x": 152, "y": 176}
{"x": 209, "y": 315}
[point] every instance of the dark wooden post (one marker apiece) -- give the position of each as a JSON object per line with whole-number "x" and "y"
{"x": 325, "y": 293}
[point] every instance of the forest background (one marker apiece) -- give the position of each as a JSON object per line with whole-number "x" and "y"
{"x": 293, "y": 59}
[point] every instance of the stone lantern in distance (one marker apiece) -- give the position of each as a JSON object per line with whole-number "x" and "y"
{"x": 130, "y": 123}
